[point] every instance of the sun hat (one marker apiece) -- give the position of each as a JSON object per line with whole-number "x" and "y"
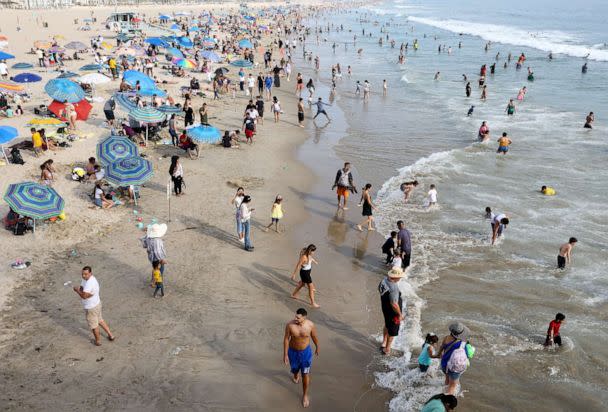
{"x": 459, "y": 331}
{"x": 156, "y": 230}
{"x": 396, "y": 272}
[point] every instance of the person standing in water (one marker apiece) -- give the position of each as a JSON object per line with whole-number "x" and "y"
{"x": 503, "y": 144}
{"x": 304, "y": 265}
{"x": 484, "y": 132}
{"x": 368, "y": 206}
{"x": 391, "y": 304}
{"x": 499, "y": 224}
{"x": 553, "y": 336}
{"x": 565, "y": 253}
{"x": 344, "y": 184}
{"x": 510, "y": 108}
{"x": 467, "y": 89}
{"x": 297, "y": 352}
{"x": 589, "y": 121}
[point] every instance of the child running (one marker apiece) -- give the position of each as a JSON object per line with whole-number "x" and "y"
{"x": 276, "y": 214}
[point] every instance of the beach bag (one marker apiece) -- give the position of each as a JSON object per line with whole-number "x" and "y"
{"x": 459, "y": 360}
{"x": 16, "y": 157}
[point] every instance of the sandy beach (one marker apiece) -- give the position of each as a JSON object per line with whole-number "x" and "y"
{"x": 214, "y": 342}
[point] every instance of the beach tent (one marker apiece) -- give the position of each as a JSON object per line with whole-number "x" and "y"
{"x": 204, "y": 134}
{"x": 64, "y": 89}
{"x": 34, "y": 200}
{"x": 114, "y": 148}
{"x": 7, "y": 134}
{"x": 27, "y": 78}
{"x": 83, "y": 108}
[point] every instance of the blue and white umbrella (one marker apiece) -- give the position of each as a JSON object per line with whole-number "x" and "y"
{"x": 204, "y": 134}
{"x": 144, "y": 91}
{"x": 67, "y": 75}
{"x": 64, "y": 89}
{"x": 174, "y": 52}
{"x": 124, "y": 101}
{"x": 241, "y": 63}
{"x": 133, "y": 76}
{"x": 114, "y": 148}
{"x": 211, "y": 56}
{"x": 156, "y": 41}
{"x": 170, "y": 109}
{"x": 147, "y": 115}
{"x": 91, "y": 67}
{"x": 129, "y": 171}
{"x": 22, "y": 65}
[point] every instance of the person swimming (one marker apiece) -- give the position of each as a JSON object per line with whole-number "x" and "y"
{"x": 547, "y": 191}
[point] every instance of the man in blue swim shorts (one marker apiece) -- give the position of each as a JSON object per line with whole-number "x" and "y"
{"x": 297, "y": 352}
{"x": 503, "y": 144}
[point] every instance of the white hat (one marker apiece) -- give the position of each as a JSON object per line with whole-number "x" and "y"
{"x": 156, "y": 230}
{"x": 396, "y": 273}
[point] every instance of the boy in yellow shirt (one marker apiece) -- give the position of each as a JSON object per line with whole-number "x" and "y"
{"x": 36, "y": 141}
{"x": 157, "y": 278}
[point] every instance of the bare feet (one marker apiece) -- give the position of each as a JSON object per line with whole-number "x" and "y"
{"x": 359, "y": 228}
{"x": 371, "y": 229}
{"x": 305, "y": 401}
{"x": 314, "y": 305}
{"x": 294, "y": 297}
{"x": 344, "y": 207}
{"x": 296, "y": 379}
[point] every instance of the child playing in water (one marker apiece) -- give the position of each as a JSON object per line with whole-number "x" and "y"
{"x": 431, "y": 196}
{"x": 429, "y": 351}
{"x": 276, "y": 214}
{"x": 388, "y": 248}
{"x": 553, "y": 336}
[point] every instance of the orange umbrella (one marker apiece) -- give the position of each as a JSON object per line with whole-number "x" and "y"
{"x": 42, "y": 44}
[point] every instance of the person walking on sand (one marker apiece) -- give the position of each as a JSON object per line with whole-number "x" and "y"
{"x": 89, "y": 295}
{"x": 368, "y": 206}
{"x": 157, "y": 279}
{"x": 236, "y": 202}
{"x": 154, "y": 245}
{"x": 276, "y": 214}
{"x": 391, "y": 304}
{"x": 245, "y": 212}
{"x": 297, "y": 352}
{"x": 553, "y": 337}
{"x": 301, "y": 112}
{"x": 304, "y": 265}
{"x": 344, "y": 184}
{"x": 565, "y": 253}
{"x": 404, "y": 242}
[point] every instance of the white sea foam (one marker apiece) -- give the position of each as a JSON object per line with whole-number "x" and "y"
{"x": 549, "y": 41}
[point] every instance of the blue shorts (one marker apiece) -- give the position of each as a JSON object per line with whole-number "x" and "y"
{"x": 98, "y": 202}
{"x": 503, "y": 149}
{"x": 300, "y": 360}
{"x": 454, "y": 375}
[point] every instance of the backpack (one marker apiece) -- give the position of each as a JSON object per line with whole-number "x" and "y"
{"x": 459, "y": 360}
{"x": 16, "y": 156}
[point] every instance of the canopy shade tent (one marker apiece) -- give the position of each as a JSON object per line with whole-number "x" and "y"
{"x": 115, "y": 148}
{"x": 64, "y": 89}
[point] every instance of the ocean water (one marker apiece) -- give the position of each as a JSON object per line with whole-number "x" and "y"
{"x": 507, "y": 293}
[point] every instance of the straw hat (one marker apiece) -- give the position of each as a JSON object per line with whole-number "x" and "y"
{"x": 396, "y": 273}
{"x": 459, "y": 331}
{"x": 156, "y": 230}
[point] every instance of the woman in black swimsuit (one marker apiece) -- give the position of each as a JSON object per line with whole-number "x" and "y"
{"x": 368, "y": 206}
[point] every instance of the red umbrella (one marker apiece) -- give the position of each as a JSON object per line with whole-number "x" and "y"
{"x": 83, "y": 108}
{"x": 135, "y": 19}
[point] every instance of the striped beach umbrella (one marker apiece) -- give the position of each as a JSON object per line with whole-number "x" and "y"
{"x": 170, "y": 109}
{"x": 184, "y": 63}
{"x": 22, "y": 65}
{"x": 204, "y": 134}
{"x": 129, "y": 171}
{"x": 27, "y": 78}
{"x": 34, "y": 200}
{"x": 144, "y": 91}
{"x": 115, "y": 148}
{"x": 147, "y": 115}
{"x": 11, "y": 87}
{"x": 241, "y": 63}
{"x": 124, "y": 101}
{"x": 64, "y": 89}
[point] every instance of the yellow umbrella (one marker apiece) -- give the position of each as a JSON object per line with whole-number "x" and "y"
{"x": 42, "y": 44}
{"x": 46, "y": 121}
{"x": 11, "y": 87}
{"x": 106, "y": 45}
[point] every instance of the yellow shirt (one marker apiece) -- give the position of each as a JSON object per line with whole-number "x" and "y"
{"x": 504, "y": 141}
{"x": 158, "y": 278}
{"x": 112, "y": 63}
{"x": 277, "y": 211}
{"x": 549, "y": 191}
{"x": 37, "y": 139}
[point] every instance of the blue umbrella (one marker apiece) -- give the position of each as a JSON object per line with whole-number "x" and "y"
{"x": 132, "y": 76}
{"x": 27, "y": 78}
{"x": 144, "y": 91}
{"x": 147, "y": 115}
{"x": 170, "y": 109}
{"x": 7, "y": 133}
{"x": 249, "y": 18}
{"x": 241, "y": 63}
{"x": 205, "y": 134}
{"x": 123, "y": 100}
{"x": 175, "y": 26}
{"x": 174, "y": 52}
{"x": 64, "y": 89}
{"x": 66, "y": 75}
{"x": 129, "y": 171}
{"x": 76, "y": 45}
{"x": 156, "y": 41}
{"x": 6, "y": 56}
{"x": 194, "y": 29}
{"x": 91, "y": 67}
{"x": 164, "y": 17}
{"x": 114, "y": 148}
{"x": 34, "y": 200}
{"x": 184, "y": 42}
{"x": 209, "y": 55}
{"x": 245, "y": 44}
{"x": 22, "y": 66}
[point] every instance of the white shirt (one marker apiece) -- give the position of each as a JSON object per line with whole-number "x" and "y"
{"x": 250, "y": 82}
{"x": 498, "y": 218}
{"x": 3, "y": 69}
{"x": 100, "y": 174}
{"x": 90, "y": 286}
{"x": 245, "y": 212}
{"x": 39, "y": 53}
{"x": 179, "y": 170}
{"x": 98, "y": 193}
{"x": 432, "y": 196}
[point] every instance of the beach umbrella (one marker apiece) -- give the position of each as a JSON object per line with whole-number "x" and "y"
{"x": 56, "y": 49}
{"x": 34, "y": 200}
{"x": 173, "y": 52}
{"x": 66, "y": 75}
{"x": 76, "y": 45}
{"x": 170, "y": 109}
{"x": 27, "y": 78}
{"x": 124, "y": 37}
{"x": 87, "y": 20}
{"x": 123, "y": 101}
{"x": 209, "y": 55}
{"x": 156, "y": 41}
{"x": 106, "y": 45}
{"x": 182, "y": 13}
{"x": 42, "y": 44}
{"x": 7, "y": 133}
{"x": 6, "y": 56}
{"x": 204, "y": 134}
{"x": 46, "y": 122}
{"x": 64, "y": 89}
{"x": 164, "y": 17}
{"x": 241, "y": 63}
{"x": 184, "y": 63}
{"x": 94, "y": 78}
{"x": 249, "y": 18}
{"x": 135, "y": 20}
{"x": 184, "y": 42}
{"x": 22, "y": 66}
{"x": 3, "y": 41}
{"x": 129, "y": 171}
{"x": 133, "y": 76}
{"x": 147, "y": 115}
{"x": 91, "y": 67}
{"x": 151, "y": 92}
{"x": 245, "y": 44}
{"x": 82, "y": 108}
{"x": 11, "y": 87}
{"x": 175, "y": 26}
{"x": 194, "y": 29}
{"x": 114, "y": 148}
{"x": 221, "y": 71}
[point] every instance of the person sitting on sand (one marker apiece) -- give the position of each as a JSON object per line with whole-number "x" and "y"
{"x": 99, "y": 197}
{"x": 186, "y": 143}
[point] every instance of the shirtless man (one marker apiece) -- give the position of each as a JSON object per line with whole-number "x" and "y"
{"x": 297, "y": 351}
{"x": 407, "y": 188}
{"x": 503, "y": 144}
{"x": 565, "y": 252}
